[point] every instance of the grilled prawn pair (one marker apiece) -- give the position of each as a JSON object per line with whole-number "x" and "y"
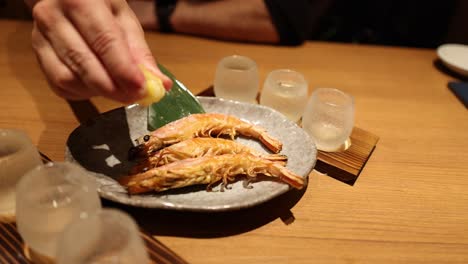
{"x": 188, "y": 152}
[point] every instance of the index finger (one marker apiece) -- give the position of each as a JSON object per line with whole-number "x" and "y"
{"x": 96, "y": 23}
{"x": 139, "y": 49}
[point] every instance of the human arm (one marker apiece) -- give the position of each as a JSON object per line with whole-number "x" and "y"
{"x": 91, "y": 47}
{"x": 237, "y": 20}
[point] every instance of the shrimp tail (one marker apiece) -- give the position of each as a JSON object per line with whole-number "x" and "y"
{"x": 277, "y": 158}
{"x": 270, "y": 142}
{"x": 287, "y": 176}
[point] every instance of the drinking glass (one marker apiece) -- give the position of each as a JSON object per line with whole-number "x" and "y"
{"x": 329, "y": 118}
{"x": 236, "y": 78}
{"x": 285, "y": 91}
{"x": 110, "y": 236}
{"x": 17, "y": 156}
{"x": 48, "y": 198}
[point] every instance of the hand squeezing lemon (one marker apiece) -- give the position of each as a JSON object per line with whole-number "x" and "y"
{"x": 154, "y": 88}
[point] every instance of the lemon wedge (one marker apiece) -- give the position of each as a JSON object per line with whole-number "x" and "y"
{"x": 154, "y": 88}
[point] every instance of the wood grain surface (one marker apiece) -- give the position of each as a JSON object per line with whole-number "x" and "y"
{"x": 410, "y": 204}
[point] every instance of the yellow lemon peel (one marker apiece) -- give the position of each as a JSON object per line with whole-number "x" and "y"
{"x": 154, "y": 88}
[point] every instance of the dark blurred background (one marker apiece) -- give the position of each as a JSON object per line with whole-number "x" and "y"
{"x": 413, "y": 23}
{"x": 14, "y": 9}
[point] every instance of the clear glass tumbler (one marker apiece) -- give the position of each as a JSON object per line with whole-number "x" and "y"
{"x": 111, "y": 236}
{"x": 236, "y": 79}
{"x": 18, "y": 155}
{"x": 285, "y": 91}
{"x": 329, "y": 118}
{"x": 48, "y": 198}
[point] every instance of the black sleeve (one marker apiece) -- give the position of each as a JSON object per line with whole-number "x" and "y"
{"x": 296, "y": 20}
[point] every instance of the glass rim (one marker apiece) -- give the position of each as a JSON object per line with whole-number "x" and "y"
{"x": 17, "y": 151}
{"x": 12, "y": 130}
{"x": 286, "y": 70}
{"x": 251, "y": 64}
{"x": 344, "y": 95}
{"x": 107, "y": 214}
{"x": 78, "y": 181}
{"x": 21, "y": 143}
{"x": 272, "y": 76}
{"x": 106, "y": 218}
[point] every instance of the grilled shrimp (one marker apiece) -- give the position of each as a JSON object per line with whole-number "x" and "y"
{"x": 207, "y": 170}
{"x": 201, "y": 125}
{"x": 198, "y": 147}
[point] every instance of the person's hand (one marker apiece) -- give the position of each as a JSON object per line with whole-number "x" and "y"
{"x": 92, "y": 47}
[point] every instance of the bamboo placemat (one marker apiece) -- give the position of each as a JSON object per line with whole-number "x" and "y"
{"x": 12, "y": 248}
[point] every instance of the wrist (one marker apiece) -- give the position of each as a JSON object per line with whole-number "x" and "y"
{"x": 164, "y": 11}
{"x": 30, "y": 3}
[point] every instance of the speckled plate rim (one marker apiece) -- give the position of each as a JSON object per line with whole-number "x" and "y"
{"x": 108, "y": 191}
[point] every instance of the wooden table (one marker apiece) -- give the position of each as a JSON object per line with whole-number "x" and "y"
{"x": 409, "y": 205}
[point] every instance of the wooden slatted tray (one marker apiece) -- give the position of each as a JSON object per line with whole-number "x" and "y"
{"x": 13, "y": 249}
{"x": 346, "y": 165}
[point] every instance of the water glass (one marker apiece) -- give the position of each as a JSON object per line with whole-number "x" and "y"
{"x": 48, "y": 198}
{"x": 110, "y": 236}
{"x": 329, "y": 118}
{"x": 236, "y": 78}
{"x": 17, "y": 156}
{"x": 285, "y": 91}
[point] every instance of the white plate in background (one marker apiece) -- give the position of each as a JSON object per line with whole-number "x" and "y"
{"x": 455, "y": 57}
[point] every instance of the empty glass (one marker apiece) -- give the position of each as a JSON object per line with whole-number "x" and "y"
{"x": 329, "y": 118}
{"x": 236, "y": 78}
{"x": 111, "y": 236}
{"x": 286, "y": 91}
{"x": 48, "y": 198}
{"x": 17, "y": 156}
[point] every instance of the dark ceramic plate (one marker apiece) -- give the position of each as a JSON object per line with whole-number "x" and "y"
{"x": 101, "y": 146}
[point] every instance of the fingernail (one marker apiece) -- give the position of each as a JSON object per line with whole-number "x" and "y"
{"x": 142, "y": 91}
{"x": 167, "y": 82}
